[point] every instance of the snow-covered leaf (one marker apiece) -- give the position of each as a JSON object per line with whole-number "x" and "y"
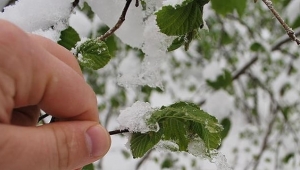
{"x": 179, "y": 123}
{"x": 93, "y": 54}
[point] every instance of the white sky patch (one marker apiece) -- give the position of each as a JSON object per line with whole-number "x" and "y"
{"x": 216, "y": 101}
{"x": 212, "y": 70}
{"x": 134, "y": 118}
{"x": 81, "y": 23}
{"x": 292, "y": 10}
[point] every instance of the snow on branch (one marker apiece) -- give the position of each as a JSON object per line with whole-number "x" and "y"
{"x": 288, "y": 30}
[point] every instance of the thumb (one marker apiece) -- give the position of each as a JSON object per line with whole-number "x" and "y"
{"x": 59, "y": 146}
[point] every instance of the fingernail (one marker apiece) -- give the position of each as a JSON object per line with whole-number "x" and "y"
{"x": 98, "y": 141}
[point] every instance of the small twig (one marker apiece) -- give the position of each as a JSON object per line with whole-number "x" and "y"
{"x": 265, "y": 142}
{"x": 284, "y": 40}
{"x": 114, "y": 132}
{"x": 288, "y": 30}
{"x": 75, "y": 3}
{"x": 245, "y": 68}
{"x": 53, "y": 119}
{"x": 137, "y": 3}
{"x": 144, "y": 158}
{"x": 118, "y": 24}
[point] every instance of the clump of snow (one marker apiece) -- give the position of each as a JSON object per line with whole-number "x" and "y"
{"x": 166, "y": 145}
{"x": 221, "y": 162}
{"x": 36, "y": 16}
{"x": 138, "y": 30}
{"x": 50, "y": 34}
{"x": 173, "y": 2}
{"x": 78, "y": 44}
{"x": 155, "y": 47}
{"x": 197, "y": 148}
{"x": 134, "y": 118}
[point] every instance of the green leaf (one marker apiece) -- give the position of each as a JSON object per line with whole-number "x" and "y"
{"x": 174, "y": 130}
{"x": 178, "y": 42}
{"x": 226, "y": 123}
{"x": 88, "y": 167}
{"x": 183, "y": 40}
{"x": 179, "y": 123}
{"x": 240, "y": 6}
{"x": 256, "y": 46}
{"x": 288, "y": 157}
{"x": 168, "y": 163}
{"x": 141, "y": 143}
{"x": 87, "y": 10}
{"x": 223, "y": 7}
{"x": 224, "y": 80}
{"x": 228, "y": 6}
{"x": 68, "y": 38}
{"x": 93, "y": 54}
{"x": 180, "y": 20}
{"x": 296, "y": 23}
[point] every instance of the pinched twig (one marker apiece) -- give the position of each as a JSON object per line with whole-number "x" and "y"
{"x": 288, "y": 30}
{"x": 114, "y": 132}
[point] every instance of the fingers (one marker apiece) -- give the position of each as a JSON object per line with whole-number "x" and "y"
{"x": 25, "y": 116}
{"x": 58, "y": 51}
{"x": 61, "y": 145}
{"x": 37, "y": 73}
{"x": 37, "y": 77}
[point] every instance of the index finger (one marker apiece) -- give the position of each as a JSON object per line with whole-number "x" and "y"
{"x": 39, "y": 78}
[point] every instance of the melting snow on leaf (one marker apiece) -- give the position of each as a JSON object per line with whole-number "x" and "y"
{"x": 134, "y": 118}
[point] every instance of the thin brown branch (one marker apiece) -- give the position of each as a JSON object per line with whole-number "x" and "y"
{"x": 245, "y": 68}
{"x": 265, "y": 142}
{"x": 288, "y": 30}
{"x": 139, "y": 164}
{"x": 137, "y": 3}
{"x": 42, "y": 117}
{"x": 118, "y": 24}
{"x": 75, "y": 3}
{"x": 284, "y": 40}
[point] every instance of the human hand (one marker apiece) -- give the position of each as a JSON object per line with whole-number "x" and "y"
{"x": 36, "y": 73}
